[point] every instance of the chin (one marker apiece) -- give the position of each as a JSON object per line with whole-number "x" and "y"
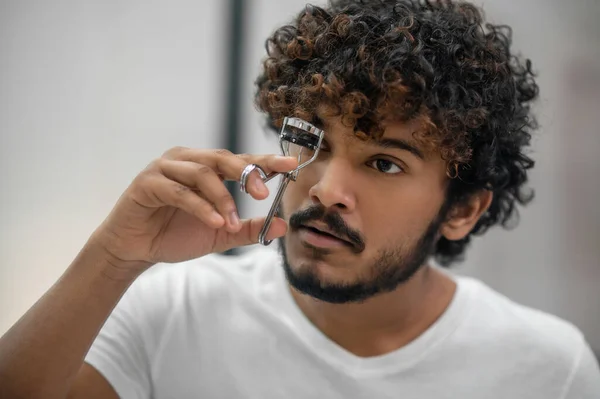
{"x": 328, "y": 265}
{"x": 325, "y": 280}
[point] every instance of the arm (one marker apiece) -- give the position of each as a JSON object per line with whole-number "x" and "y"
{"x": 44, "y": 350}
{"x": 176, "y": 209}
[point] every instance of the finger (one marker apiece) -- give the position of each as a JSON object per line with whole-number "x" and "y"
{"x": 250, "y": 230}
{"x": 180, "y": 196}
{"x": 208, "y": 183}
{"x": 255, "y": 186}
{"x": 271, "y": 163}
{"x": 228, "y": 166}
{"x": 231, "y": 166}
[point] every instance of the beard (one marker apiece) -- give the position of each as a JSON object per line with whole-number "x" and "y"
{"x": 391, "y": 267}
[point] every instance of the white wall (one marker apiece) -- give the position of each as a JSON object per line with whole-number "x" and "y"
{"x": 552, "y": 259}
{"x": 90, "y": 93}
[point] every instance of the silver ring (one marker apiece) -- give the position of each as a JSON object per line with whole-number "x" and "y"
{"x": 246, "y": 172}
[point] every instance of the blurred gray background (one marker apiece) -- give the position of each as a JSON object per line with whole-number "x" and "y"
{"x": 92, "y": 91}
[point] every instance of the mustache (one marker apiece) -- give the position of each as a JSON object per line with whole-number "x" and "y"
{"x": 332, "y": 220}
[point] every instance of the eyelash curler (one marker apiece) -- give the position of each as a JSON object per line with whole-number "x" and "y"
{"x": 299, "y": 139}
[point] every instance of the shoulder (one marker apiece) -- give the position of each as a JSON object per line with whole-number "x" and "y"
{"x": 527, "y": 333}
{"x": 204, "y": 288}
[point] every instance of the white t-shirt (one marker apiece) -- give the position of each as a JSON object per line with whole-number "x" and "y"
{"x": 221, "y": 327}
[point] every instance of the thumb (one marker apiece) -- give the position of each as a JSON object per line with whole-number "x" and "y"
{"x": 248, "y": 234}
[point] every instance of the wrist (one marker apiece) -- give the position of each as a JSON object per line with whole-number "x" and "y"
{"x": 95, "y": 255}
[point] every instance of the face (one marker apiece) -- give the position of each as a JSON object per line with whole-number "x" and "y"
{"x": 363, "y": 216}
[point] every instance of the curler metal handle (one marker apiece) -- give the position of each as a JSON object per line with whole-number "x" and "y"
{"x": 262, "y": 236}
{"x": 282, "y": 186}
{"x": 302, "y": 134}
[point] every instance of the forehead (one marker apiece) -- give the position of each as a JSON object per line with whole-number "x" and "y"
{"x": 414, "y": 135}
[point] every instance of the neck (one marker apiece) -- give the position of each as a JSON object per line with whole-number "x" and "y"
{"x": 387, "y": 321}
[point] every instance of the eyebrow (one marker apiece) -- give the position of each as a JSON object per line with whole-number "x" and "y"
{"x": 400, "y": 145}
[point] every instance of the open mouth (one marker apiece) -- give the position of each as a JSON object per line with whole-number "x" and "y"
{"x": 327, "y": 235}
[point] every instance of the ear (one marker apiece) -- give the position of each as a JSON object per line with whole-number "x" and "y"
{"x": 463, "y": 217}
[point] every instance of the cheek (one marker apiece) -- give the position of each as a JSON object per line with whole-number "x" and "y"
{"x": 399, "y": 210}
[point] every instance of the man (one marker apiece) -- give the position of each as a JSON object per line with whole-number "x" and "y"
{"x": 427, "y": 119}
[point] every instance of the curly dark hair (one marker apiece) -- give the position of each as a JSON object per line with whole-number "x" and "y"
{"x": 376, "y": 60}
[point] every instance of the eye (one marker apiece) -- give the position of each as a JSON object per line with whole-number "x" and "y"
{"x": 385, "y": 166}
{"x": 318, "y": 122}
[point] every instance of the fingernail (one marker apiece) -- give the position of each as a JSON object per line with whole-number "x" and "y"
{"x": 216, "y": 218}
{"x": 260, "y": 186}
{"x": 234, "y": 220}
{"x": 271, "y": 233}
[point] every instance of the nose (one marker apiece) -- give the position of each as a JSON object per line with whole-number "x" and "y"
{"x": 334, "y": 187}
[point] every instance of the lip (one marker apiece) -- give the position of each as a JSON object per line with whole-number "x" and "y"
{"x": 321, "y": 240}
